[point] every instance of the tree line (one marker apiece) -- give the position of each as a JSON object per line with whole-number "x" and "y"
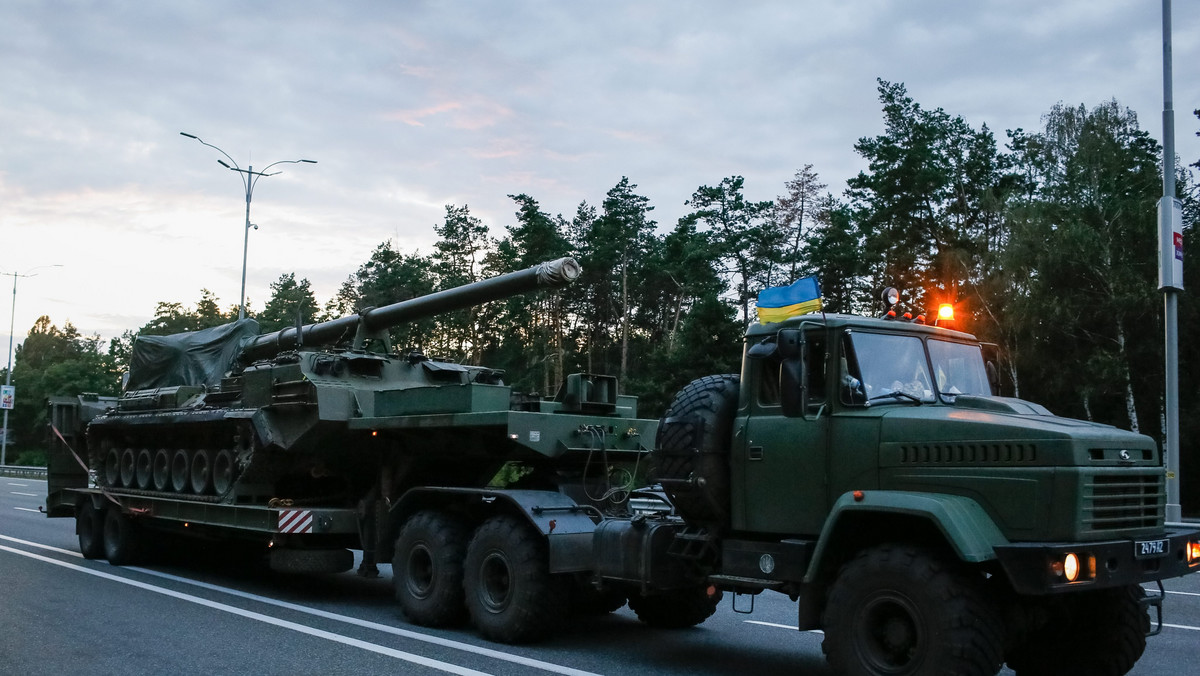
{"x": 1046, "y": 243}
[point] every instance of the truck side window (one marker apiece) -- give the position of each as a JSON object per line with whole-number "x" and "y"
{"x": 770, "y": 381}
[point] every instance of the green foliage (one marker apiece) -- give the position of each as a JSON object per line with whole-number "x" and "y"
{"x": 290, "y": 302}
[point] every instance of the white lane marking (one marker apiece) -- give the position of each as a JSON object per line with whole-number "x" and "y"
{"x": 21, "y": 485}
{"x": 1183, "y": 593}
{"x": 387, "y": 629}
{"x": 41, "y": 546}
{"x": 782, "y": 626}
{"x": 267, "y": 619}
{"x": 26, "y": 509}
{"x": 28, "y": 495}
{"x": 1181, "y": 626}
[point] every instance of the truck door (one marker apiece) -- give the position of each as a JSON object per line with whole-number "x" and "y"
{"x": 779, "y": 462}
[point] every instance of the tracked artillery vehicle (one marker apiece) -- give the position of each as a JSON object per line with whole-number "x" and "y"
{"x": 305, "y": 439}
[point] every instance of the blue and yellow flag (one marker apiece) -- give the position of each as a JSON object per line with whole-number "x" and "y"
{"x": 780, "y": 302}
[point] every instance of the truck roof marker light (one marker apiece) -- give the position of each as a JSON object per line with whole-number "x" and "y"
{"x": 920, "y": 319}
{"x": 858, "y": 496}
{"x": 908, "y": 316}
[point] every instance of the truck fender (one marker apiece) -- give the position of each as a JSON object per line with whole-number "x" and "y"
{"x": 966, "y": 527}
{"x": 567, "y": 526}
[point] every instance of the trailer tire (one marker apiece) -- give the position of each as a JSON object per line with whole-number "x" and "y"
{"x": 89, "y": 524}
{"x": 904, "y": 610}
{"x": 427, "y": 569}
{"x": 510, "y": 594}
{"x": 691, "y": 452}
{"x": 1098, "y": 633}
{"x": 675, "y": 609}
{"x": 123, "y": 542}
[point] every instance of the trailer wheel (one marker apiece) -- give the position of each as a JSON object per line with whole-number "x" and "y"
{"x": 511, "y": 595}
{"x": 122, "y": 538}
{"x": 675, "y": 609}
{"x": 903, "y": 610}
{"x": 691, "y": 453}
{"x": 1101, "y": 633}
{"x": 427, "y": 569}
{"x": 89, "y": 524}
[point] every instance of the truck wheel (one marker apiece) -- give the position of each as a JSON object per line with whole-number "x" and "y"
{"x": 89, "y": 524}
{"x": 427, "y": 569}
{"x": 693, "y": 447}
{"x": 902, "y": 610}
{"x": 122, "y": 538}
{"x": 1098, "y": 633}
{"x": 675, "y": 609}
{"x": 511, "y": 595}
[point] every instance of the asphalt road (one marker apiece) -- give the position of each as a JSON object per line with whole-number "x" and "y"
{"x": 61, "y": 614}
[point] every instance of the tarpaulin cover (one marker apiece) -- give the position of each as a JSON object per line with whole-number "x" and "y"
{"x": 196, "y": 358}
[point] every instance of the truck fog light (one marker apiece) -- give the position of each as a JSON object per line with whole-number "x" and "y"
{"x": 1071, "y": 567}
{"x": 1194, "y": 552}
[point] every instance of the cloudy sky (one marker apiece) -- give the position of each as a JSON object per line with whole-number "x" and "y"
{"x": 410, "y": 106}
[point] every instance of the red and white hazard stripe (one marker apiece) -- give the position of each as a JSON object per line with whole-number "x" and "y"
{"x": 295, "y": 521}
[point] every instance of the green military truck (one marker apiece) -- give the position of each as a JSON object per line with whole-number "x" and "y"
{"x": 864, "y": 467}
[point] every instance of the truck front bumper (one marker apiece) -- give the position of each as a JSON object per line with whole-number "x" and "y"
{"x": 1040, "y": 567}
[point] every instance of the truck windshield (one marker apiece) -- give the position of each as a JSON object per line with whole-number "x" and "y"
{"x": 958, "y": 368}
{"x": 893, "y": 368}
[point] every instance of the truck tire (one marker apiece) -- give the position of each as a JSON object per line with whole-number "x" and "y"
{"x": 1098, "y": 633}
{"x": 897, "y": 609}
{"x": 123, "y": 542}
{"x": 691, "y": 453}
{"x": 675, "y": 609}
{"x": 427, "y": 569}
{"x": 510, "y": 594}
{"x": 89, "y": 524}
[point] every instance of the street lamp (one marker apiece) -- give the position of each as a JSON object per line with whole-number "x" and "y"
{"x": 249, "y": 178}
{"x": 11, "y": 329}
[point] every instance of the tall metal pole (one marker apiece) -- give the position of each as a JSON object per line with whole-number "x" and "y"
{"x": 1170, "y": 279}
{"x": 249, "y": 178}
{"x": 12, "y": 321}
{"x": 8, "y": 374}
{"x": 245, "y": 245}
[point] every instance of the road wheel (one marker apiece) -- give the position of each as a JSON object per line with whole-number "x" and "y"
{"x": 145, "y": 465}
{"x": 903, "y": 610}
{"x": 427, "y": 569}
{"x": 511, "y": 595}
{"x": 693, "y": 447}
{"x": 128, "y": 468}
{"x": 161, "y": 470}
{"x": 89, "y": 524}
{"x": 201, "y": 472}
{"x": 1092, "y": 633}
{"x": 112, "y": 467}
{"x": 122, "y": 538}
{"x": 223, "y": 471}
{"x": 180, "y": 464}
{"x": 675, "y": 609}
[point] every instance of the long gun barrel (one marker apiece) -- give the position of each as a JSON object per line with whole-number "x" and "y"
{"x": 548, "y": 275}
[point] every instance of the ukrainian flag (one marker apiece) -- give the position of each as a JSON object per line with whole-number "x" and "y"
{"x": 780, "y": 302}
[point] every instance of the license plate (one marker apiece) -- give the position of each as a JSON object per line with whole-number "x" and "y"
{"x": 1147, "y": 549}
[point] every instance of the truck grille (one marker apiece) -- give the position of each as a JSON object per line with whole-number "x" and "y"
{"x": 1115, "y": 503}
{"x": 968, "y": 453}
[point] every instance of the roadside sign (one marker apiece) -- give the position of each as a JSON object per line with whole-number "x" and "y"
{"x": 8, "y": 394}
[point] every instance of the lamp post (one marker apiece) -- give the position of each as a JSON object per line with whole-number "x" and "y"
{"x": 249, "y": 179}
{"x": 12, "y": 320}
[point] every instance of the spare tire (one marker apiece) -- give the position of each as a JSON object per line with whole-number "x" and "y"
{"x": 691, "y": 451}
